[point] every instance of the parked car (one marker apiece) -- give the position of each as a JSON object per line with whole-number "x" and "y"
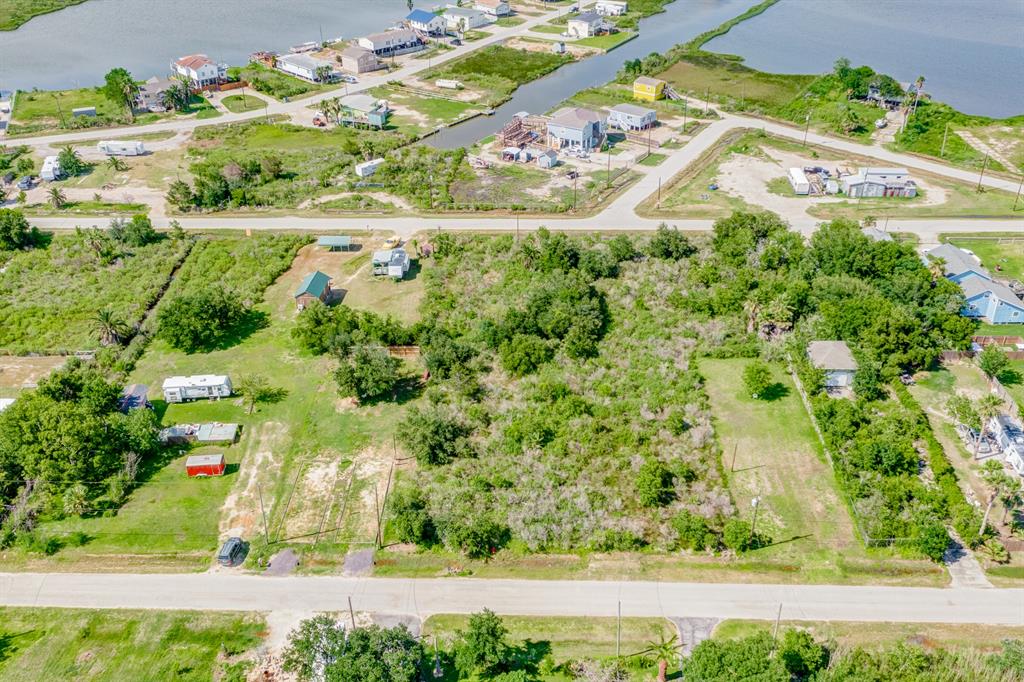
{"x": 231, "y": 552}
{"x": 349, "y": 79}
{"x": 25, "y": 182}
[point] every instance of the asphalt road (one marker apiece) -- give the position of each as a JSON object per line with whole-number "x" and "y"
{"x": 220, "y": 591}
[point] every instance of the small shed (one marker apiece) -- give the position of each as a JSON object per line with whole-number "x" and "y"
{"x": 315, "y": 286}
{"x": 558, "y": 47}
{"x": 335, "y": 242}
{"x": 83, "y": 111}
{"x": 368, "y": 168}
{"x": 648, "y": 89}
{"x": 133, "y": 397}
{"x": 205, "y": 465}
{"x": 835, "y": 358}
{"x": 798, "y": 181}
{"x": 548, "y": 159}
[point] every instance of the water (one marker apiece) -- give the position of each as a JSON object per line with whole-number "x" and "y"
{"x": 682, "y": 20}
{"x": 75, "y": 47}
{"x": 971, "y": 52}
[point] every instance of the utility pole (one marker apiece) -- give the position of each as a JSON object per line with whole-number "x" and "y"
{"x": 609, "y": 166}
{"x": 684, "y": 116}
{"x": 618, "y": 630}
{"x": 351, "y": 613}
{"x": 517, "y": 228}
{"x": 1019, "y": 186}
{"x": 807, "y": 127}
{"x": 575, "y": 177}
{"x": 266, "y": 534}
{"x": 707, "y": 100}
{"x": 982, "y": 174}
{"x": 775, "y": 630}
{"x": 63, "y": 123}
{"x": 942, "y": 151}
{"x": 732, "y": 465}
{"x": 755, "y": 503}
{"x": 659, "y": 191}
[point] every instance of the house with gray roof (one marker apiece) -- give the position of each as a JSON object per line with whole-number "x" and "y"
{"x": 836, "y": 360}
{"x": 985, "y": 298}
{"x": 575, "y": 128}
{"x": 632, "y": 117}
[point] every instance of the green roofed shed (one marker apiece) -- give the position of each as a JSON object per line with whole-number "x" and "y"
{"x": 333, "y": 242}
{"x": 316, "y": 285}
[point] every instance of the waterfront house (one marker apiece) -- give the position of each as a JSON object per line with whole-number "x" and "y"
{"x": 879, "y": 182}
{"x": 465, "y": 19}
{"x": 632, "y": 117}
{"x": 575, "y": 128}
{"x": 315, "y": 286}
{"x": 584, "y": 25}
{"x": 355, "y": 59}
{"x": 648, "y": 89}
{"x": 426, "y": 22}
{"x": 306, "y": 67}
{"x": 392, "y": 43}
{"x": 494, "y": 8}
{"x": 611, "y": 8}
{"x": 836, "y": 360}
{"x": 364, "y": 109}
{"x": 200, "y": 71}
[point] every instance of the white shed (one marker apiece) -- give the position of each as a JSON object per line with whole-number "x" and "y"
{"x": 51, "y": 169}
{"x": 121, "y": 148}
{"x": 798, "y": 180}
{"x": 179, "y": 389}
{"x": 368, "y": 168}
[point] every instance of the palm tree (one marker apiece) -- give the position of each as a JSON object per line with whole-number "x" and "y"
{"x": 112, "y": 330}
{"x": 1001, "y": 485}
{"x": 57, "y": 197}
{"x": 331, "y": 109}
{"x": 937, "y": 266}
{"x": 116, "y": 164}
{"x": 988, "y": 408}
{"x": 664, "y": 650}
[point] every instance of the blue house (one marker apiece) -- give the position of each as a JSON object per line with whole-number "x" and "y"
{"x": 426, "y": 22}
{"x": 575, "y": 128}
{"x": 986, "y": 298}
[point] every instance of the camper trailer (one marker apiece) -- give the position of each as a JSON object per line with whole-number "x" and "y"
{"x": 121, "y": 148}
{"x": 182, "y": 389}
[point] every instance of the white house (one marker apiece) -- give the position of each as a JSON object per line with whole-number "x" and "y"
{"x": 835, "y": 358}
{"x": 200, "y": 70}
{"x": 368, "y": 168}
{"x": 355, "y": 59}
{"x": 880, "y": 182}
{"x": 426, "y": 22}
{"x": 465, "y": 19}
{"x": 51, "y": 169}
{"x": 611, "y": 8}
{"x": 391, "y": 262}
{"x": 178, "y": 389}
{"x": 798, "y": 181}
{"x": 494, "y": 8}
{"x": 1010, "y": 437}
{"x": 306, "y": 67}
{"x": 584, "y": 25}
{"x": 391, "y": 43}
{"x": 632, "y": 117}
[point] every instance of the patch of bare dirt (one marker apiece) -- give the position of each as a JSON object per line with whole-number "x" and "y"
{"x": 25, "y": 371}
{"x": 240, "y": 514}
{"x": 370, "y": 468}
{"x": 314, "y": 493}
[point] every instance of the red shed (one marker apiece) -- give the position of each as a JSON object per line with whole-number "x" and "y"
{"x": 205, "y": 465}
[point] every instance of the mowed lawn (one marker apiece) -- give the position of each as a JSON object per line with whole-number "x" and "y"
{"x": 566, "y": 639}
{"x": 83, "y": 645}
{"x": 779, "y": 459}
{"x": 1003, "y": 257}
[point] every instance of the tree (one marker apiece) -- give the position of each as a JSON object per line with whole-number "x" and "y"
{"x": 111, "y": 329}
{"x": 670, "y": 244}
{"x": 320, "y": 649}
{"x": 120, "y": 88}
{"x": 523, "y": 354}
{"x": 202, "y": 320}
{"x": 868, "y": 383}
{"x": 801, "y": 655}
{"x": 410, "y": 520}
{"x": 116, "y": 164}
{"x": 433, "y": 436}
{"x": 135, "y": 232}
{"x": 15, "y": 232}
{"x": 937, "y": 267}
{"x": 992, "y": 361}
{"x": 749, "y": 658}
{"x": 71, "y": 163}
{"x": 988, "y": 408}
{"x": 75, "y": 500}
{"x": 256, "y": 389}
{"x": 483, "y": 647}
{"x": 962, "y": 409}
{"x": 180, "y": 195}
{"x": 57, "y": 198}
{"x": 664, "y": 650}
{"x": 654, "y": 484}
{"x": 1000, "y": 485}
{"x": 757, "y": 378}
{"x": 322, "y": 73}
{"x": 367, "y": 373}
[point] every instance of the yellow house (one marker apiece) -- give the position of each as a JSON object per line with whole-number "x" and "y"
{"x": 648, "y": 89}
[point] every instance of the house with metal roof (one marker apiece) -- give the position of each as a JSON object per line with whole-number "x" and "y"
{"x": 880, "y": 182}
{"x": 494, "y": 8}
{"x": 426, "y": 22}
{"x": 585, "y": 25}
{"x": 364, "y": 109}
{"x": 338, "y": 242}
{"x": 575, "y": 128}
{"x": 306, "y": 67}
{"x": 392, "y": 43}
{"x": 391, "y": 263}
{"x": 316, "y": 286}
{"x": 835, "y": 359}
{"x": 632, "y": 117}
{"x": 465, "y": 18}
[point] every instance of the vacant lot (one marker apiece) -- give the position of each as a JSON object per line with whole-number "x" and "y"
{"x": 14, "y": 13}
{"x": 113, "y": 645}
{"x": 277, "y": 84}
{"x": 731, "y": 81}
{"x": 242, "y": 103}
{"x": 49, "y": 296}
{"x": 418, "y": 114}
{"x": 499, "y": 70}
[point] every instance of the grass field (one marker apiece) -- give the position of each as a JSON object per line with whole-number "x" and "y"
{"x": 653, "y": 159}
{"x": 1006, "y": 254}
{"x": 499, "y": 70}
{"x": 112, "y": 645}
{"x": 567, "y": 639}
{"x": 241, "y": 103}
{"x": 985, "y": 638}
{"x": 607, "y": 42}
{"x": 548, "y": 28}
{"x": 14, "y": 13}
{"x": 277, "y": 84}
{"x": 731, "y": 81}
{"x": 89, "y": 207}
{"x": 417, "y": 114}
{"x": 778, "y": 458}
{"x": 49, "y": 296}
{"x": 507, "y": 22}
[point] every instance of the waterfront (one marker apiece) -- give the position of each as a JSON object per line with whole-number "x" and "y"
{"x": 970, "y": 52}
{"x": 78, "y": 45}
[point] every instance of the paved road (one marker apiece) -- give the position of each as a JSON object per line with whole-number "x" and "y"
{"x": 219, "y": 591}
{"x": 414, "y": 66}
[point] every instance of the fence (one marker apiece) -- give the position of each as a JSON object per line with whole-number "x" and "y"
{"x": 404, "y": 351}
